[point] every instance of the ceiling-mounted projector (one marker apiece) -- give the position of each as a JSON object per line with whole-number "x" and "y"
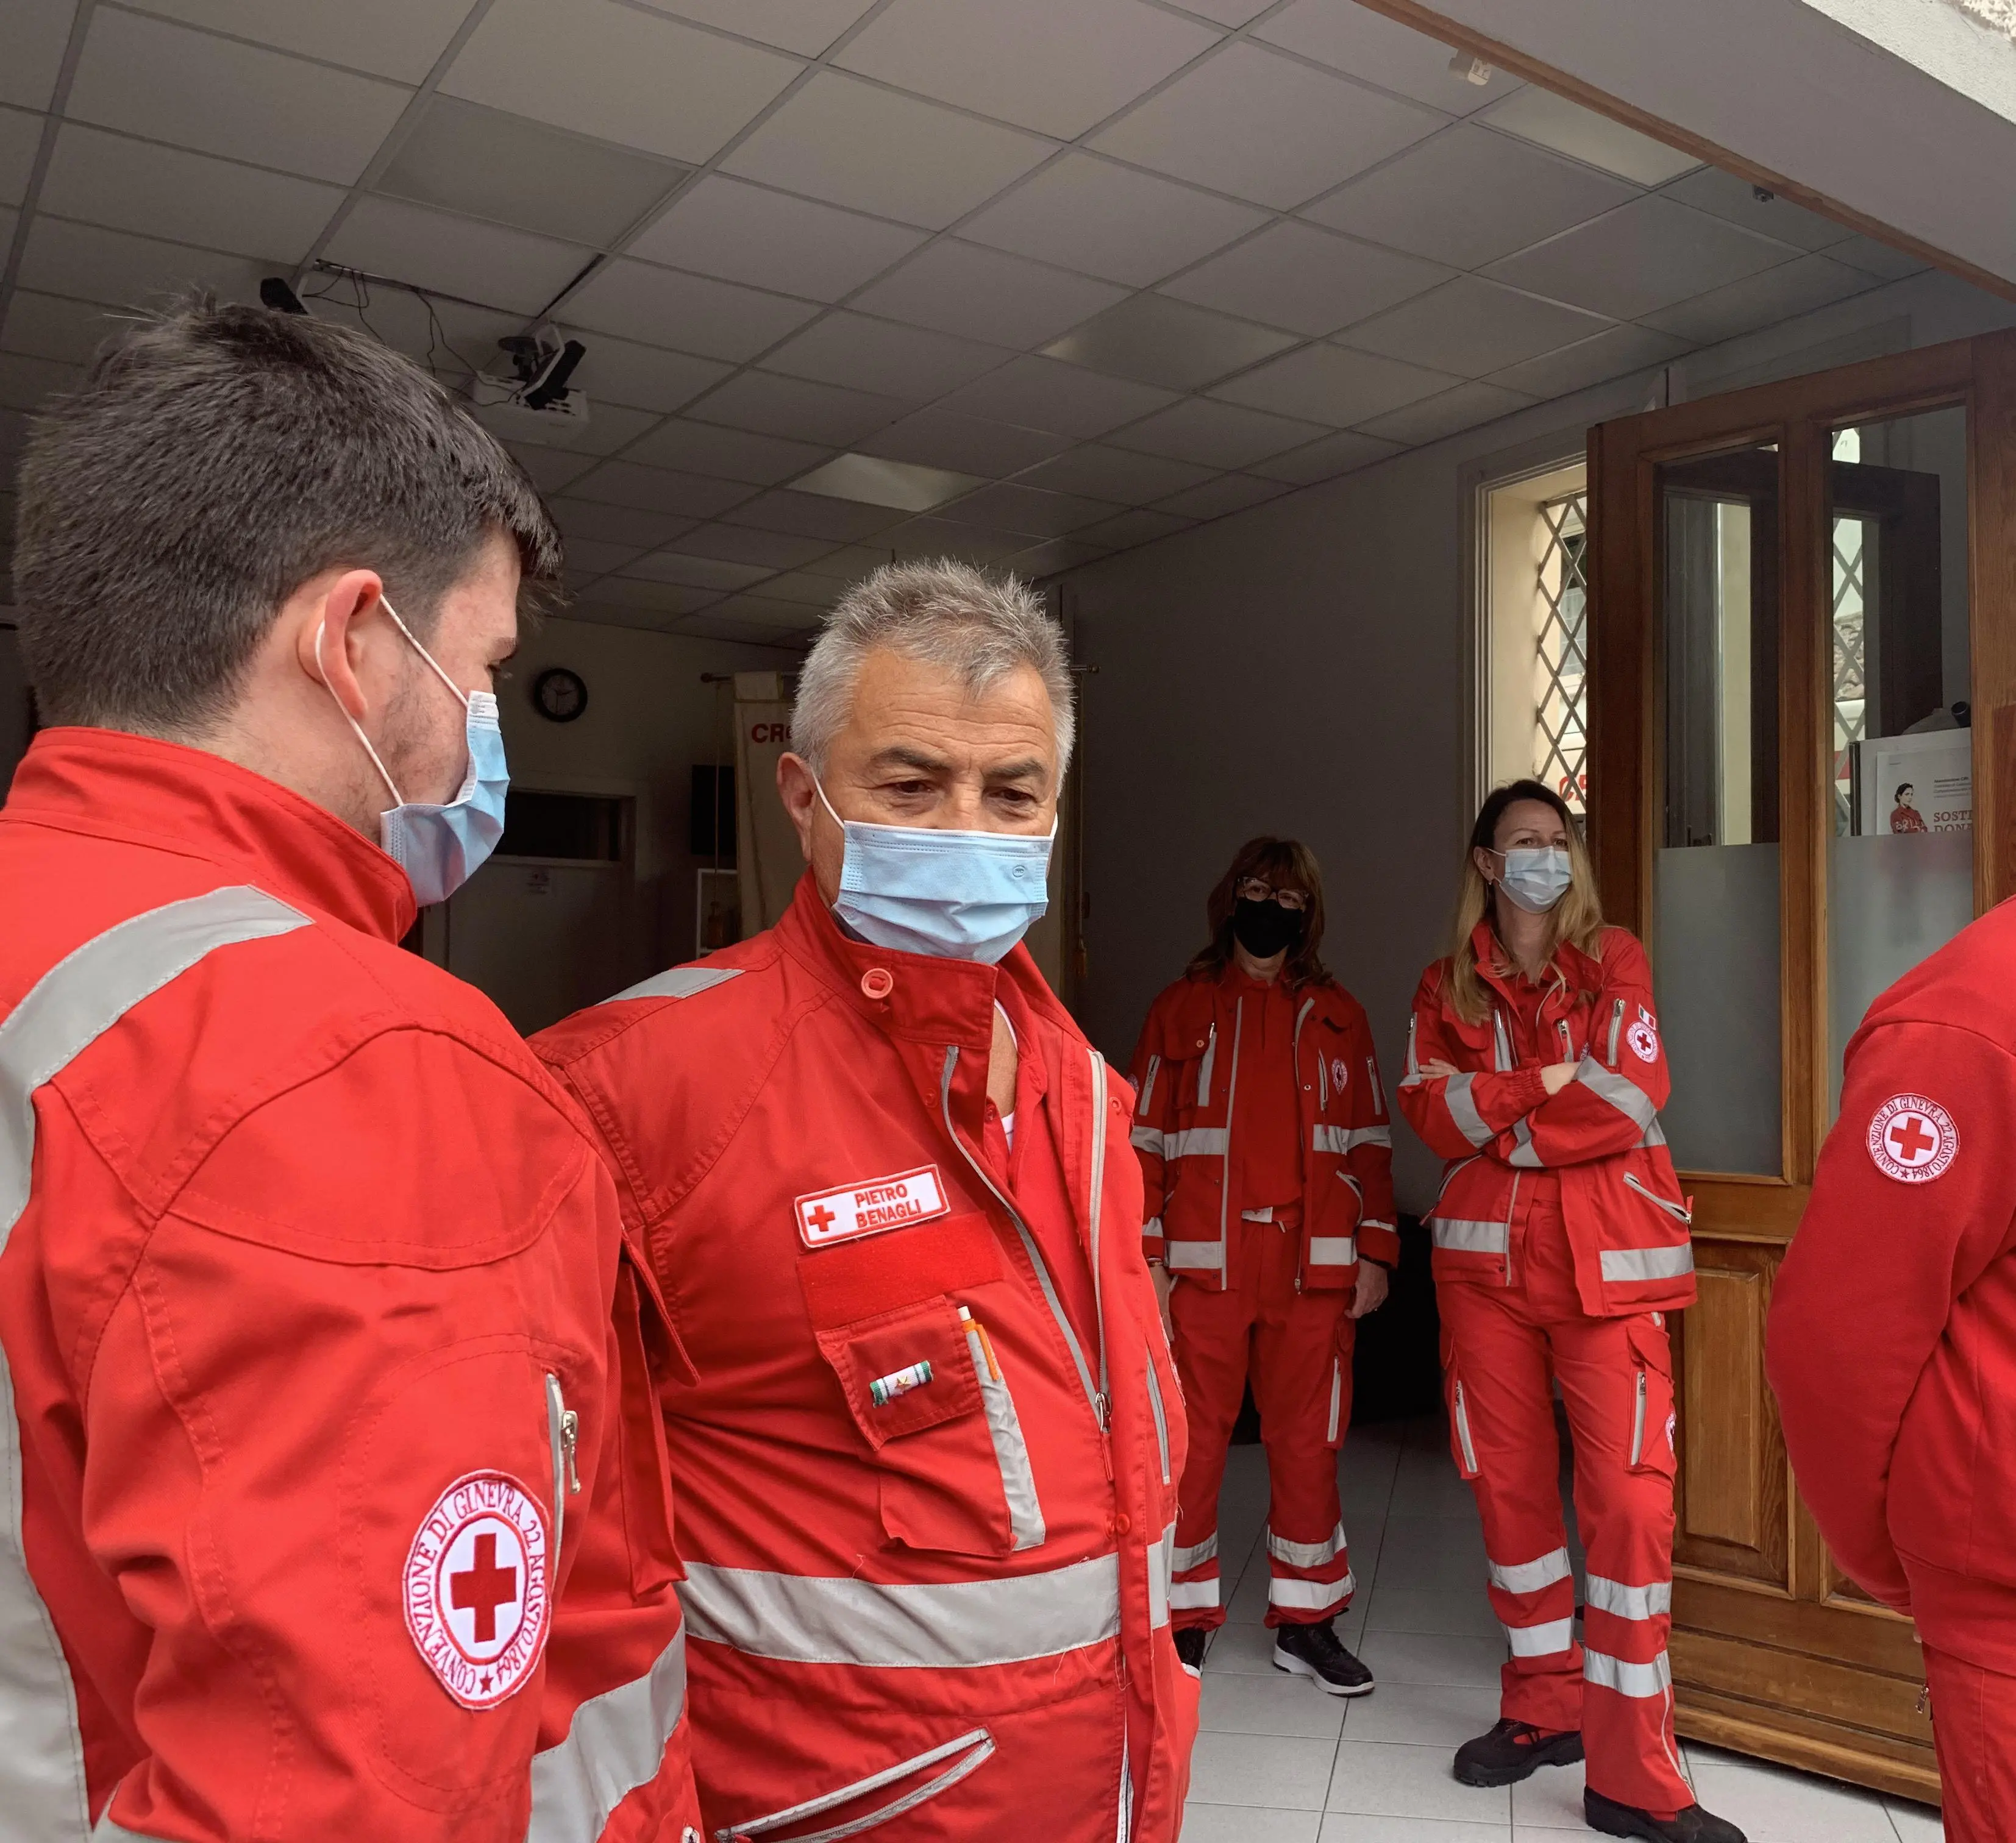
{"x": 535, "y": 404}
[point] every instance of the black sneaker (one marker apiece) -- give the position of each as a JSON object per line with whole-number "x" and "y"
{"x": 1315, "y": 1651}
{"x": 1191, "y": 1642}
{"x": 1512, "y": 1750}
{"x": 1693, "y": 1825}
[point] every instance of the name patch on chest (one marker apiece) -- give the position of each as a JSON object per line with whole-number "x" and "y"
{"x": 868, "y": 1208}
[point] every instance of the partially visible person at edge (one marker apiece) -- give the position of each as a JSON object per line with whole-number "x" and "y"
{"x": 1266, "y": 1159}
{"x": 327, "y": 1516}
{"x": 1892, "y": 1346}
{"x": 1535, "y": 1067}
{"x": 926, "y": 1473}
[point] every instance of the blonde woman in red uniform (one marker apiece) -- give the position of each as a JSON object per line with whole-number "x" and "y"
{"x": 1535, "y": 1067}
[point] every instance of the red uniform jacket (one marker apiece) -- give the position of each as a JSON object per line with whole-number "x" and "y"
{"x": 927, "y": 1510}
{"x": 1626, "y": 1219}
{"x": 1182, "y": 1131}
{"x": 1893, "y": 1335}
{"x": 306, "y": 1272}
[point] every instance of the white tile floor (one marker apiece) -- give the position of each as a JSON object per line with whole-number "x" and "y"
{"x": 1278, "y": 1762}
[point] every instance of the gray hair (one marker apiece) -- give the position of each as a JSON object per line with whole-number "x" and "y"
{"x": 941, "y": 613}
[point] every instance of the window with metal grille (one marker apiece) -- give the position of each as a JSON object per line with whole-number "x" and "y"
{"x": 1851, "y": 548}
{"x": 1560, "y": 663}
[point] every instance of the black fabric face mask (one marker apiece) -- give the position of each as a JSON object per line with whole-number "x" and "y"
{"x": 1264, "y": 928}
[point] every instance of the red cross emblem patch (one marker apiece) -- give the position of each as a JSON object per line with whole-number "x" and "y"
{"x": 475, "y": 1590}
{"x": 1911, "y": 1139}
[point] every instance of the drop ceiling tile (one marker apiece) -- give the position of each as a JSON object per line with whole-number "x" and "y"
{"x": 797, "y": 408}
{"x": 1642, "y": 257}
{"x": 1155, "y": 340}
{"x": 1216, "y": 434}
{"x": 1006, "y": 506}
{"x": 736, "y": 543}
{"x": 772, "y": 239}
{"x": 863, "y": 353}
{"x": 20, "y": 139}
{"x": 1053, "y": 556}
{"x": 1297, "y": 276}
{"x": 1114, "y": 474}
{"x": 731, "y": 453}
{"x": 190, "y": 198}
{"x": 1550, "y": 121}
{"x": 1228, "y": 12}
{"x": 764, "y": 610}
{"x": 25, "y": 383}
{"x": 849, "y": 565}
{"x": 1341, "y": 453}
{"x": 664, "y": 597}
{"x": 1110, "y": 221}
{"x": 1468, "y": 196}
{"x": 33, "y": 36}
{"x": 1056, "y": 66}
{"x": 484, "y": 262}
{"x": 42, "y": 326}
{"x": 1709, "y": 189}
{"x": 636, "y": 530}
{"x": 1262, "y": 127}
{"x": 1064, "y": 399}
{"x": 549, "y": 469}
{"x": 1876, "y": 259}
{"x": 618, "y": 72}
{"x": 966, "y": 444}
{"x": 964, "y": 543}
{"x": 1139, "y": 526}
{"x": 854, "y": 143}
{"x": 983, "y": 294}
{"x": 704, "y": 573}
{"x": 87, "y": 264}
{"x": 1470, "y": 326}
{"x": 899, "y": 486}
{"x": 1463, "y": 407}
{"x": 1214, "y": 499}
{"x": 1332, "y": 384}
{"x": 808, "y": 591}
{"x": 692, "y": 313}
{"x": 609, "y": 427}
{"x": 170, "y": 83}
{"x": 400, "y": 39}
{"x": 1592, "y": 361}
{"x": 805, "y": 25}
{"x": 587, "y": 558}
{"x": 1374, "y": 49}
{"x": 1761, "y": 300}
{"x": 658, "y": 489}
{"x": 451, "y": 341}
{"x": 711, "y": 627}
{"x": 642, "y": 377}
{"x": 522, "y": 172}
{"x": 808, "y": 514}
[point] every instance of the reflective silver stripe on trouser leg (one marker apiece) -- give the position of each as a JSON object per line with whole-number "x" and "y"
{"x": 42, "y": 1793}
{"x": 617, "y": 1742}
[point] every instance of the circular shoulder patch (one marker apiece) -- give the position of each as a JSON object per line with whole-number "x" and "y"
{"x": 475, "y": 1590}
{"x": 1644, "y": 1041}
{"x": 1913, "y": 1139}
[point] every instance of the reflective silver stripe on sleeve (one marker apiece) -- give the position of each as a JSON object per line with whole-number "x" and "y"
{"x": 1522, "y": 1152}
{"x": 1149, "y": 1139}
{"x": 1627, "y": 1264}
{"x": 1311, "y": 1596}
{"x": 1306, "y": 1554}
{"x": 1626, "y": 1602}
{"x": 1148, "y": 1086}
{"x": 1202, "y": 1256}
{"x": 1151, "y": 1230}
{"x": 73, "y": 1004}
{"x": 1620, "y": 1090}
{"x": 977, "y": 1748}
{"x": 1641, "y": 1680}
{"x": 1463, "y": 1110}
{"x": 1469, "y": 1238}
{"x": 1540, "y": 1641}
{"x": 677, "y": 981}
{"x": 951, "y": 1626}
{"x": 616, "y": 1744}
{"x": 1332, "y": 1251}
{"x": 1343, "y": 1138}
{"x": 1655, "y": 1135}
{"x": 1196, "y": 1142}
{"x": 1530, "y": 1577}
{"x": 1196, "y": 1555}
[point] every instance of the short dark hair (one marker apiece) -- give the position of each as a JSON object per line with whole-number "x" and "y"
{"x": 1903, "y": 788}
{"x": 214, "y": 459}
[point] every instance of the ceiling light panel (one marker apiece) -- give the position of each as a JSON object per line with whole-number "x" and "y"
{"x": 1470, "y": 326}
{"x": 1554, "y": 121}
{"x": 401, "y": 39}
{"x": 748, "y": 233}
{"x": 1263, "y": 127}
{"x": 983, "y": 294}
{"x": 1158, "y": 341}
{"x": 1375, "y": 49}
{"x": 1036, "y": 392}
{"x": 523, "y": 172}
{"x": 1057, "y": 67}
{"x": 692, "y": 313}
{"x": 807, "y": 27}
{"x": 484, "y": 262}
{"x": 1110, "y": 221}
{"x": 855, "y": 144}
{"x": 1332, "y": 384}
{"x": 1221, "y": 435}
{"x": 733, "y": 454}
{"x": 797, "y": 408}
{"x": 1309, "y": 280}
{"x": 899, "y": 484}
{"x": 618, "y": 72}
{"x": 937, "y": 438}
{"x": 167, "y": 83}
{"x": 863, "y": 353}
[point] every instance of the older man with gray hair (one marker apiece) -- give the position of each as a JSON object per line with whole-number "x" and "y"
{"x": 927, "y": 1460}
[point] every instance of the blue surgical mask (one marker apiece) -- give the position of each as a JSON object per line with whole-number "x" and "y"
{"x": 440, "y": 847}
{"x": 955, "y": 894}
{"x": 1536, "y": 878}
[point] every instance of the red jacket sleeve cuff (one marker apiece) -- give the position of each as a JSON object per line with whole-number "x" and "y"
{"x": 1380, "y": 1242}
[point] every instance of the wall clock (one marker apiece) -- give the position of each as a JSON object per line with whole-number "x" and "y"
{"x": 560, "y": 695}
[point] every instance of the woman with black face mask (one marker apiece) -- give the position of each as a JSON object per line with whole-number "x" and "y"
{"x": 1265, "y": 1151}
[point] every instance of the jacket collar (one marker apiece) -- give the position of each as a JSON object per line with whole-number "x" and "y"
{"x": 139, "y": 790}
{"x": 1581, "y": 971}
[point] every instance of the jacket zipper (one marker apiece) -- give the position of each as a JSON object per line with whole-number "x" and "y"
{"x": 1679, "y": 1211}
{"x": 563, "y": 1433}
{"x": 1638, "y": 1421}
{"x": 1501, "y": 1042}
{"x": 1148, "y": 1088}
{"x": 1231, "y": 1102}
{"x": 1161, "y": 1418}
{"x": 1567, "y": 1041}
{"x": 1462, "y": 1432}
{"x": 1616, "y": 1024}
{"x": 1095, "y": 1215}
{"x": 1205, "y": 1067}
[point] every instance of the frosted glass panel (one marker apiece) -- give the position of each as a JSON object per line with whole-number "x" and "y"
{"x": 1716, "y": 922}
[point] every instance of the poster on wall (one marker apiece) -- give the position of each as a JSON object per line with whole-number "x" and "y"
{"x": 767, "y": 860}
{"x": 1922, "y": 783}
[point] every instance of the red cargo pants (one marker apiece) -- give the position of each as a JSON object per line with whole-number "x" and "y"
{"x": 1973, "y": 1728}
{"x": 1296, "y": 1347}
{"x": 1502, "y": 1346}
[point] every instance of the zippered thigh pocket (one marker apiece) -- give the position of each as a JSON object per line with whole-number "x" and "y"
{"x": 1653, "y": 1422}
{"x": 1462, "y": 1442}
{"x": 1160, "y": 1414}
{"x": 969, "y": 1751}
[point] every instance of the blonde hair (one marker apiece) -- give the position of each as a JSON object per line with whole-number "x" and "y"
{"x": 1577, "y": 918}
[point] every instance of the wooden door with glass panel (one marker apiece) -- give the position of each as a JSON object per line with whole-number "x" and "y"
{"x": 1803, "y": 735}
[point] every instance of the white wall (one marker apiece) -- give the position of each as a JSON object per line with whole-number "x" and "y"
{"x": 1299, "y": 668}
